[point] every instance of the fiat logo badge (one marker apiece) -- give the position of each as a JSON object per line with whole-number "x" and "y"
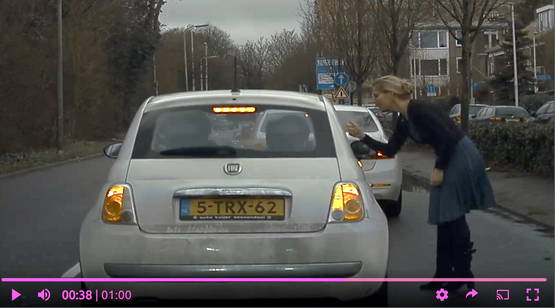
{"x": 232, "y": 168}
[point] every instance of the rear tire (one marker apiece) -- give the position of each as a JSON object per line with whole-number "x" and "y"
{"x": 392, "y": 209}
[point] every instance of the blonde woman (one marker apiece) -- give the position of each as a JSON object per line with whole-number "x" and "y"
{"x": 458, "y": 179}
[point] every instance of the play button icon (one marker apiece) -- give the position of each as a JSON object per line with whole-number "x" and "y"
{"x": 15, "y": 295}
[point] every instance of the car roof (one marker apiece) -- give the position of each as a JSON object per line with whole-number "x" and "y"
{"x": 350, "y": 108}
{"x": 507, "y": 106}
{"x": 226, "y": 97}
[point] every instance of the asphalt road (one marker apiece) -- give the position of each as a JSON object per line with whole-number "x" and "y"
{"x": 41, "y": 213}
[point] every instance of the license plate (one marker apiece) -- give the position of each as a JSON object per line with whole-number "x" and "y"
{"x": 232, "y": 209}
{"x": 513, "y": 120}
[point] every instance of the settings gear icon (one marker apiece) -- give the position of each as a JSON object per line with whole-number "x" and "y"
{"x": 442, "y": 294}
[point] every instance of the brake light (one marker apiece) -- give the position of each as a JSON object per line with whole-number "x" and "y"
{"x": 458, "y": 118}
{"x": 497, "y": 119}
{"x": 346, "y": 203}
{"x": 380, "y": 155}
{"x": 234, "y": 109}
{"x": 117, "y": 206}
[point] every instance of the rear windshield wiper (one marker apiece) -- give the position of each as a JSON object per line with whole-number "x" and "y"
{"x": 201, "y": 151}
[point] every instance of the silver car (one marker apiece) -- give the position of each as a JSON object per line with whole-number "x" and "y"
{"x": 383, "y": 173}
{"x": 187, "y": 197}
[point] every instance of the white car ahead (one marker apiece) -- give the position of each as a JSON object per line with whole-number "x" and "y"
{"x": 190, "y": 195}
{"x": 383, "y": 173}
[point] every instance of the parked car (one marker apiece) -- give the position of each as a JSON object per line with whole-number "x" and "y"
{"x": 184, "y": 199}
{"x": 502, "y": 114}
{"x": 383, "y": 173}
{"x": 377, "y": 112}
{"x": 545, "y": 113}
{"x": 455, "y": 113}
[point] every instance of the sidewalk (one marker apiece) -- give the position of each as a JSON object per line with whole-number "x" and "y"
{"x": 522, "y": 194}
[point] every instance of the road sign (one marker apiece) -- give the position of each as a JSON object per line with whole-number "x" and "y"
{"x": 341, "y": 93}
{"x": 341, "y": 79}
{"x": 326, "y": 70}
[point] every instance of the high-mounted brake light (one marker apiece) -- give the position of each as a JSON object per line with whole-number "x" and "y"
{"x": 234, "y": 109}
{"x": 118, "y": 206}
{"x": 346, "y": 203}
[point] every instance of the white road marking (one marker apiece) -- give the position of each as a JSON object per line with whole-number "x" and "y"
{"x": 73, "y": 271}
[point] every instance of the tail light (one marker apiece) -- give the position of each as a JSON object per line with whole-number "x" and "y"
{"x": 346, "y": 203}
{"x": 380, "y": 155}
{"x": 497, "y": 119}
{"x": 118, "y": 206}
{"x": 523, "y": 119}
{"x": 458, "y": 118}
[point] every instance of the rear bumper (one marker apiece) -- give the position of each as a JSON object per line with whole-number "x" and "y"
{"x": 340, "y": 250}
{"x": 327, "y": 270}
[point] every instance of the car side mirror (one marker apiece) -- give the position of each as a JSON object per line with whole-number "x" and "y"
{"x": 361, "y": 150}
{"x": 112, "y": 150}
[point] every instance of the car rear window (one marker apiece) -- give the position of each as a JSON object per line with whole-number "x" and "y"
{"x": 361, "y": 118}
{"x": 270, "y": 132}
{"x": 511, "y": 112}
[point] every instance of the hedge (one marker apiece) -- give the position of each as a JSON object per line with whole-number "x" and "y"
{"x": 523, "y": 146}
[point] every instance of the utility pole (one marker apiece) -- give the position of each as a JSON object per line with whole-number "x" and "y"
{"x": 515, "y": 69}
{"x": 185, "y": 59}
{"x": 193, "y": 57}
{"x": 154, "y": 75}
{"x": 60, "y": 128}
{"x": 206, "y": 66}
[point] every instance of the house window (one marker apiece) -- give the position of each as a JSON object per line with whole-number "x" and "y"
{"x": 435, "y": 67}
{"x": 429, "y": 39}
{"x": 443, "y": 67}
{"x": 458, "y": 38}
{"x": 442, "y": 39}
{"x": 459, "y": 65}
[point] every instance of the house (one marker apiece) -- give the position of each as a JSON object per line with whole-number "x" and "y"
{"x": 539, "y": 52}
{"x": 435, "y": 57}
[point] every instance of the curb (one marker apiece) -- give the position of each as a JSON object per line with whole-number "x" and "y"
{"x": 50, "y": 165}
{"x": 424, "y": 182}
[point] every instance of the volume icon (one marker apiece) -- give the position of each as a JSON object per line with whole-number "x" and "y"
{"x": 44, "y": 295}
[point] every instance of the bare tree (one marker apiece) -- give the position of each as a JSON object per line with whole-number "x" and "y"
{"x": 345, "y": 29}
{"x": 253, "y": 61}
{"x": 468, "y": 16}
{"x": 396, "y": 20}
{"x": 281, "y": 46}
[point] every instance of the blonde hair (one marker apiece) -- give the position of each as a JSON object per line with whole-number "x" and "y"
{"x": 393, "y": 84}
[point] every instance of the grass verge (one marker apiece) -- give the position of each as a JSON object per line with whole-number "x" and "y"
{"x": 14, "y": 162}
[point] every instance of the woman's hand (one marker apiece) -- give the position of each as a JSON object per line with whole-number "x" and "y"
{"x": 437, "y": 177}
{"x": 354, "y": 131}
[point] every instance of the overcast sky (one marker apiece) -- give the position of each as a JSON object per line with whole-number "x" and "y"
{"x": 242, "y": 19}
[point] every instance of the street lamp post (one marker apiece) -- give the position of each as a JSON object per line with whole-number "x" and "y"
{"x": 535, "y": 63}
{"x": 60, "y": 124}
{"x": 206, "y": 66}
{"x": 515, "y": 70}
{"x": 191, "y": 28}
{"x": 193, "y": 52}
{"x": 205, "y": 59}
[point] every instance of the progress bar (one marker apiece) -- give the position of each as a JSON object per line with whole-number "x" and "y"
{"x": 272, "y": 279}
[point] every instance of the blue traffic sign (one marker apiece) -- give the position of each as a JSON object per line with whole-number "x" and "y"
{"x": 341, "y": 79}
{"x": 326, "y": 70}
